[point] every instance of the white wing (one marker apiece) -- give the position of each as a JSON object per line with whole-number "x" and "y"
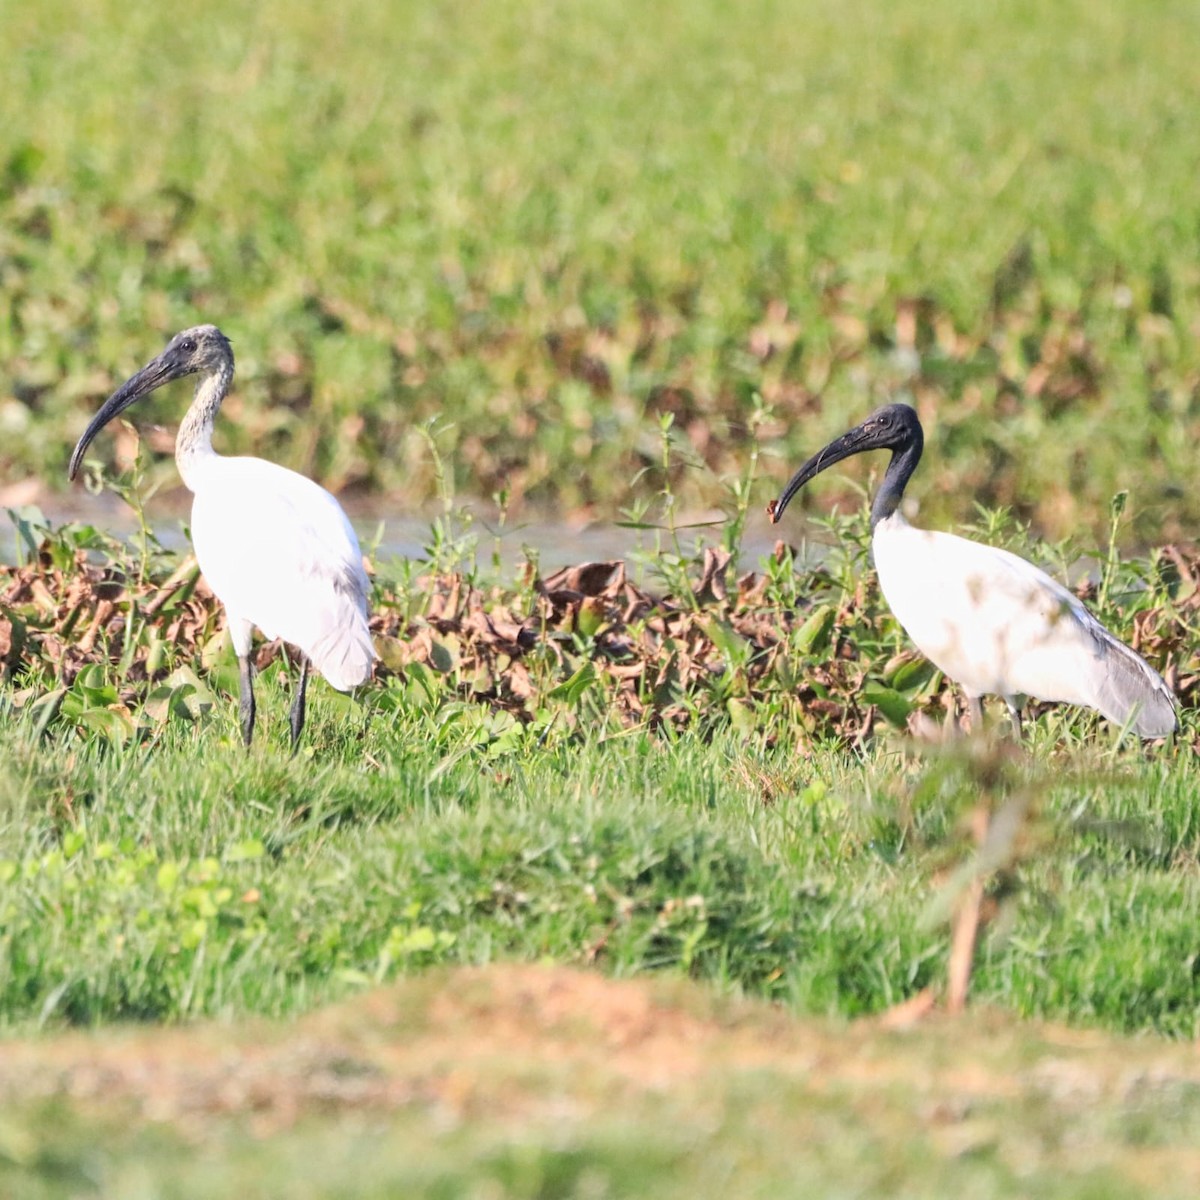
{"x": 278, "y": 552}
{"x": 997, "y": 624}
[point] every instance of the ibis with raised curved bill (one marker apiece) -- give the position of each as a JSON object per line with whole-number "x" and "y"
{"x": 989, "y": 620}
{"x": 276, "y": 548}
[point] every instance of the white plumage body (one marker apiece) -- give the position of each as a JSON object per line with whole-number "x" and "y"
{"x": 991, "y": 621}
{"x": 278, "y": 552}
{"x": 275, "y": 548}
{"x": 998, "y": 625}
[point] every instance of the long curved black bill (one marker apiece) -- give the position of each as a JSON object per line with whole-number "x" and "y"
{"x": 153, "y": 375}
{"x": 849, "y": 443}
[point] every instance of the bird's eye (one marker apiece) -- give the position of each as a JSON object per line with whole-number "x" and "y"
{"x": 188, "y": 344}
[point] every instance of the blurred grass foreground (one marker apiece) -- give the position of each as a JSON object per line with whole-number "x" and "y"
{"x": 541, "y": 227}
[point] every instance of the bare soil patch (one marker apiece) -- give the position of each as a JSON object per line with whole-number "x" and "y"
{"x": 517, "y": 1042}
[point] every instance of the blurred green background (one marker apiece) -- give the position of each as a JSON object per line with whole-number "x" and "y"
{"x": 541, "y": 226}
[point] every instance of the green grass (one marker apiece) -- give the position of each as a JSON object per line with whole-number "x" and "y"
{"x": 715, "y": 783}
{"x": 543, "y": 228}
{"x": 137, "y": 886}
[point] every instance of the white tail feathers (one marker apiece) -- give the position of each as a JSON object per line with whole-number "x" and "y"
{"x": 344, "y": 654}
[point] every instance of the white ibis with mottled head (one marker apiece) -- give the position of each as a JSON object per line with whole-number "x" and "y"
{"x": 276, "y": 548}
{"x": 989, "y": 620}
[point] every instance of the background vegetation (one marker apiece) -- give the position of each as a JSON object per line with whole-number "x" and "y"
{"x": 543, "y": 226}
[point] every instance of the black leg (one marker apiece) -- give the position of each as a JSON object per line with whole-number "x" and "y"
{"x": 1014, "y": 714}
{"x": 975, "y": 708}
{"x": 246, "y": 702}
{"x": 297, "y": 713}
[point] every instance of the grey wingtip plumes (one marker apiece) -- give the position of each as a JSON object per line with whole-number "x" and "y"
{"x": 1132, "y": 692}
{"x": 1156, "y": 718}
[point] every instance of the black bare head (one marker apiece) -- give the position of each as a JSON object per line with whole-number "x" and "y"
{"x": 203, "y": 349}
{"x": 894, "y": 427}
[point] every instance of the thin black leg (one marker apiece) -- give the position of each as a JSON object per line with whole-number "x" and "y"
{"x": 246, "y": 700}
{"x": 1014, "y": 714}
{"x": 297, "y": 713}
{"x": 975, "y": 708}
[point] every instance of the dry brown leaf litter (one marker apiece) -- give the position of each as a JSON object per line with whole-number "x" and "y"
{"x": 659, "y": 658}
